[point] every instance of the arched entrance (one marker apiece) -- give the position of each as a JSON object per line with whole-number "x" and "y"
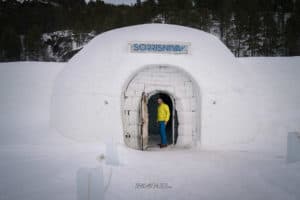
{"x": 153, "y": 129}
{"x": 179, "y": 91}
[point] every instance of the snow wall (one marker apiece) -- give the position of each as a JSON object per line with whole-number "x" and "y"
{"x": 26, "y": 89}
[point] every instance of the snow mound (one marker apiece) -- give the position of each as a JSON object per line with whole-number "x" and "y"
{"x": 100, "y": 71}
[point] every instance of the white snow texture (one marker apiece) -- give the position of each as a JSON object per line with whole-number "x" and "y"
{"x": 248, "y": 107}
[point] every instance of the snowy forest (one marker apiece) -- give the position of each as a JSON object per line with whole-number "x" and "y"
{"x": 54, "y": 30}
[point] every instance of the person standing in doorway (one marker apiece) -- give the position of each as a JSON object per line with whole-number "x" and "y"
{"x": 163, "y": 116}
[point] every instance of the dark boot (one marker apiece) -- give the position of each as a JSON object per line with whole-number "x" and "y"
{"x": 163, "y": 145}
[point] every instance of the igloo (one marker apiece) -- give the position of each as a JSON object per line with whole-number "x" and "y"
{"x": 109, "y": 88}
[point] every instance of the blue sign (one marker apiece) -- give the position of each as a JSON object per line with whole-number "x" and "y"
{"x": 147, "y": 47}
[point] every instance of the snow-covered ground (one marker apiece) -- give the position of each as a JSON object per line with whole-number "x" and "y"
{"x": 37, "y": 172}
{"x": 39, "y": 163}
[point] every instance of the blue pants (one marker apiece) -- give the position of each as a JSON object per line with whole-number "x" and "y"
{"x": 162, "y": 132}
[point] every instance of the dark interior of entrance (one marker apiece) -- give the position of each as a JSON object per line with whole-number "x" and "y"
{"x": 153, "y": 129}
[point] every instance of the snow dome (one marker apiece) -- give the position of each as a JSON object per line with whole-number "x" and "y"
{"x": 109, "y": 88}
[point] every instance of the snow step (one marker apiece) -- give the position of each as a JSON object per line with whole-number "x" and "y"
{"x": 90, "y": 184}
{"x": 293, "y": 147}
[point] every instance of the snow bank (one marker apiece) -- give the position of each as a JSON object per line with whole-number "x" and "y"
{"x": 274, "y": 93}
{"x": 26, "y": 89}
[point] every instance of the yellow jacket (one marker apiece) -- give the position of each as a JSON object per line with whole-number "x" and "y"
{"x": 163, "y": 112}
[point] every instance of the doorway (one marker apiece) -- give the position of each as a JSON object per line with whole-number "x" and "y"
{"x": 179, "y": 91}
{"x": 153, "y": 138}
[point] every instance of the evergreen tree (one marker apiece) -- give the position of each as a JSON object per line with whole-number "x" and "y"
{"x": 239, "y": 32}
{"x": 139, "y": 3}
{"x": 10, "y": 46}
{"x": 247, "y": 28}
{"x": 32, "y": 42}
{"x": 270, "y": 35}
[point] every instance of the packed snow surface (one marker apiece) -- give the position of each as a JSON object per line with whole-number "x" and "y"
{"x": 39, "y": 163}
